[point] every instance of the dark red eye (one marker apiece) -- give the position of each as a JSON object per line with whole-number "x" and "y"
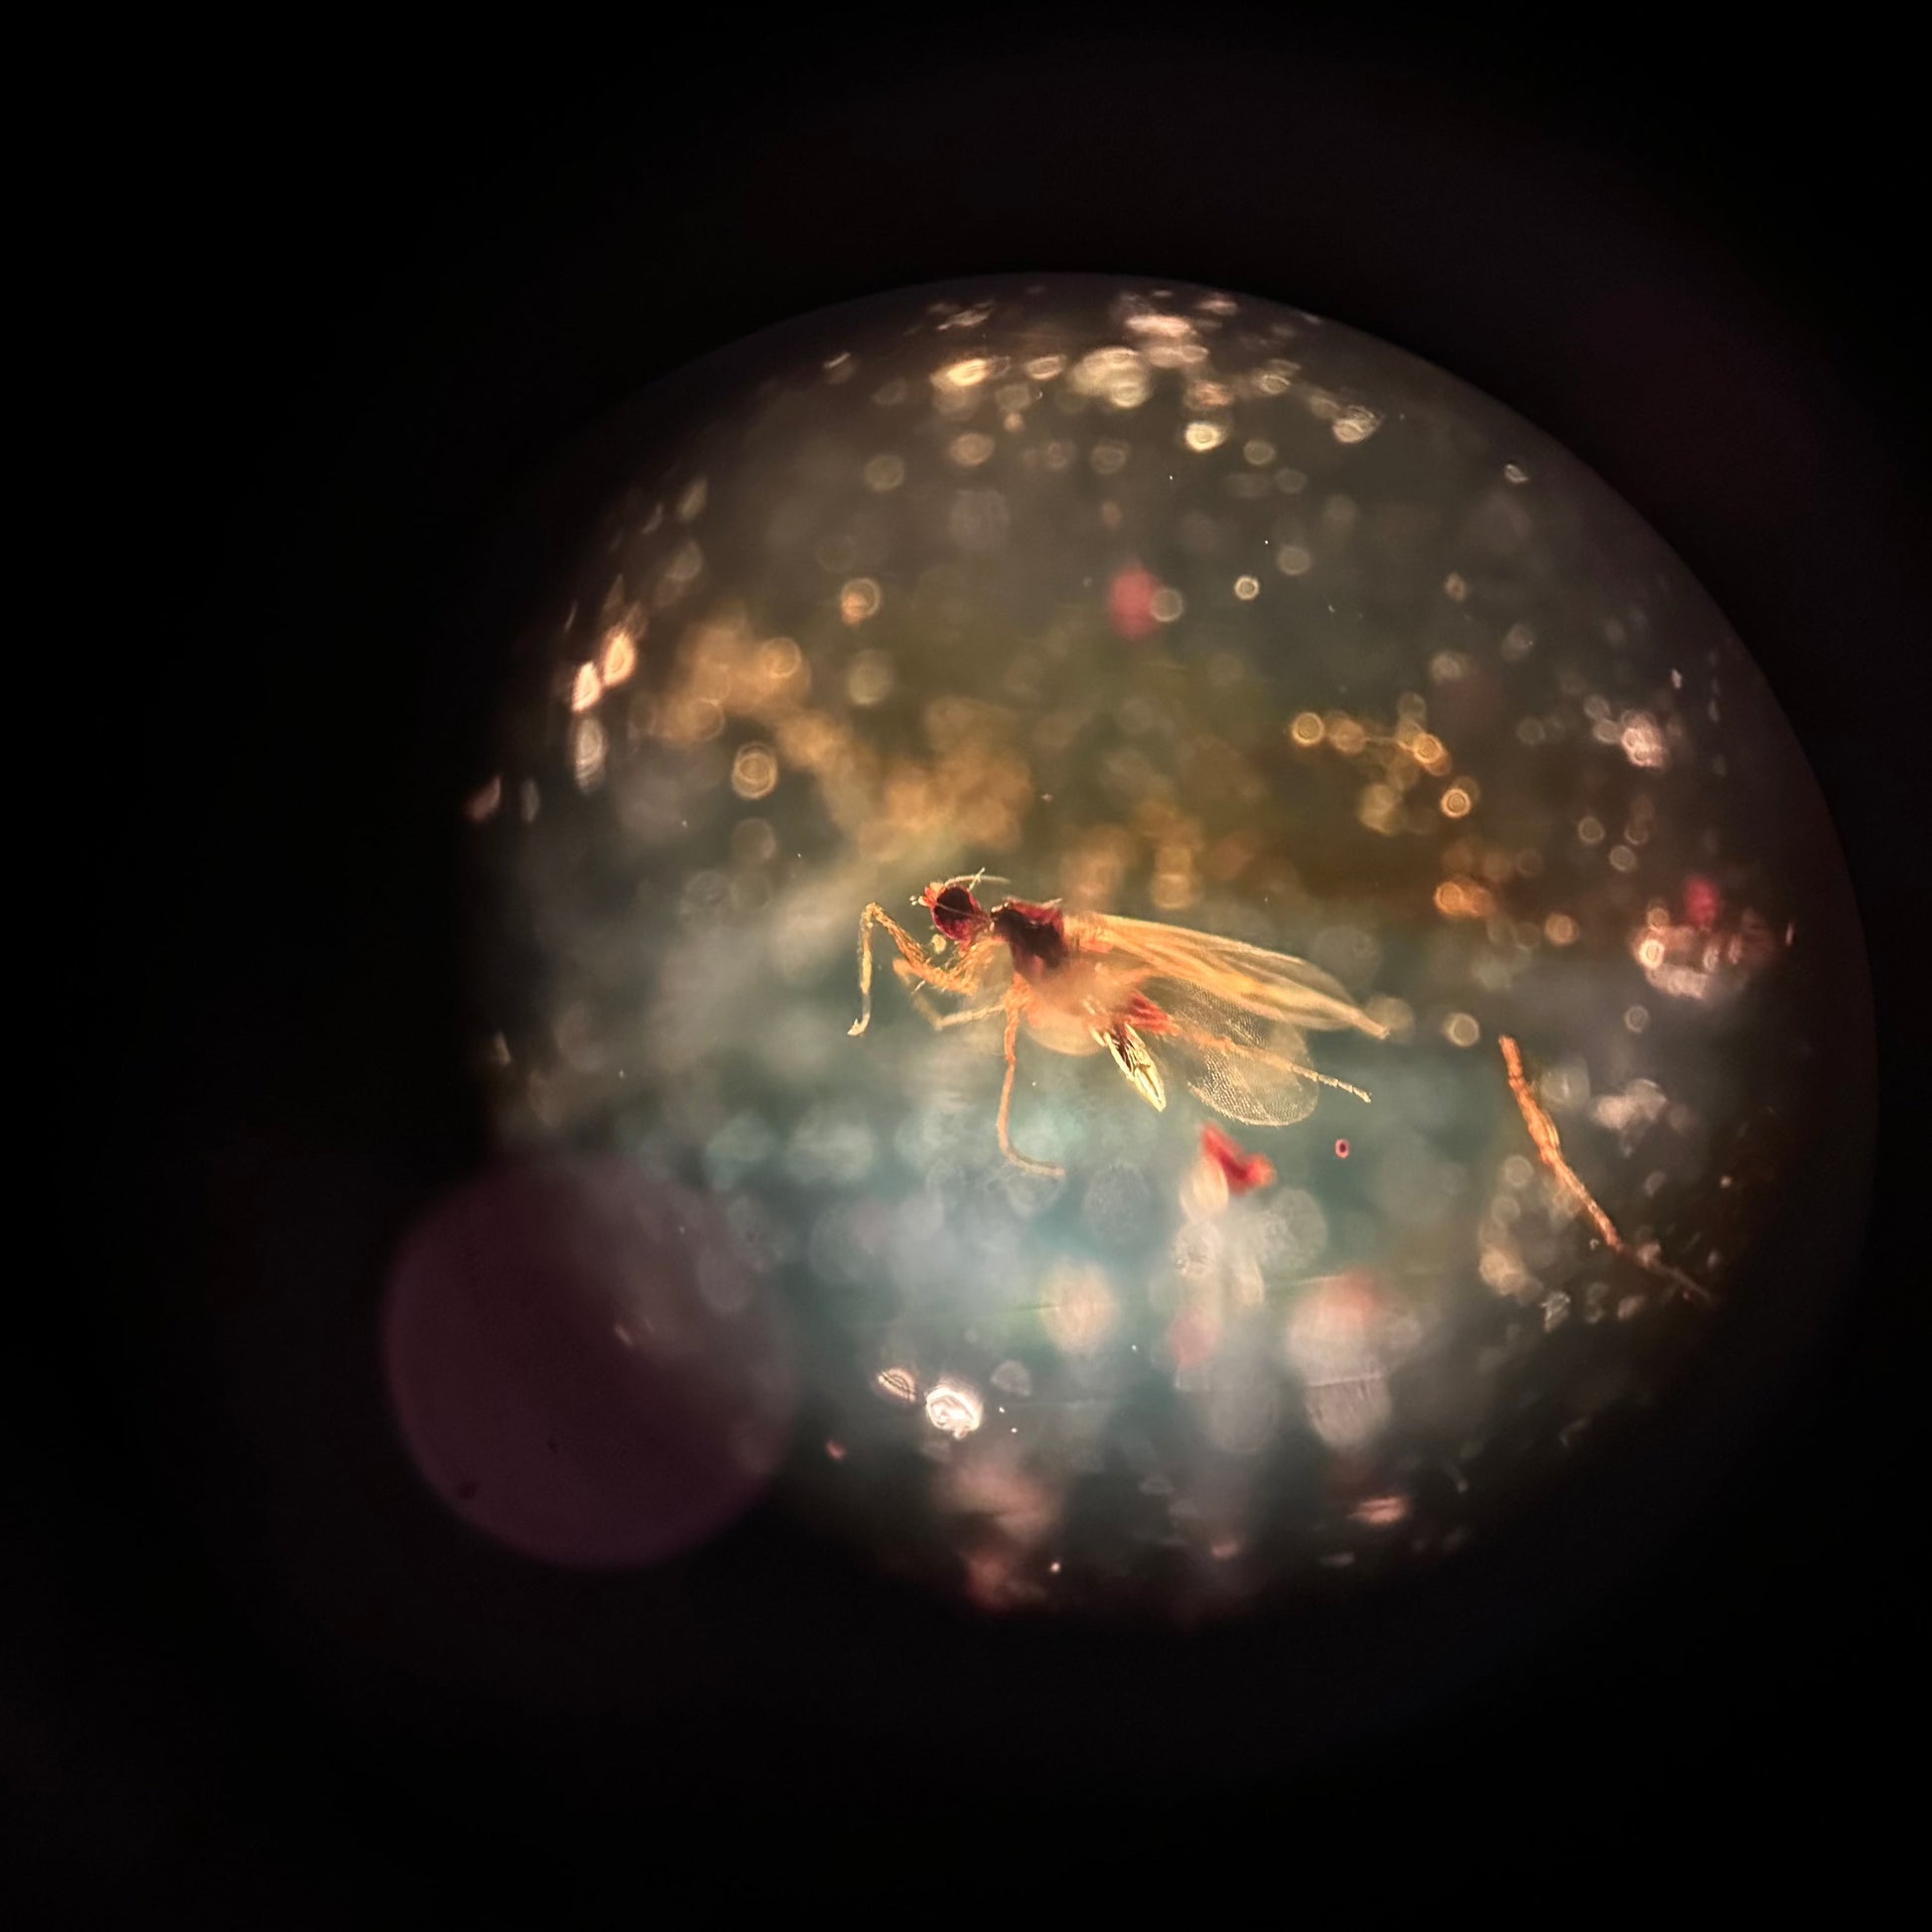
{"x": 956, "y": 913}
{"x": 1341, "y": 1150}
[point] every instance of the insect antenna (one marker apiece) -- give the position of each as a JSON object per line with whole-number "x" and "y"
{"x": 1329, "y": 1081}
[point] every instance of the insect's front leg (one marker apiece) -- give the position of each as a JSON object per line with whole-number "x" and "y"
{"x": 910, "y": 951}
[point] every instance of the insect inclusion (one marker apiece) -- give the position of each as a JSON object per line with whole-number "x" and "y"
{"x": 1232, "y": 1015}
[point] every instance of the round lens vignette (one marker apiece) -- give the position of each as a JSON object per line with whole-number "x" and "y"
{"x": 1083, "y": 603}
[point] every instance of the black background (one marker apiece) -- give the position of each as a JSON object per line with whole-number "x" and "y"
{"x": 360, "y": 299}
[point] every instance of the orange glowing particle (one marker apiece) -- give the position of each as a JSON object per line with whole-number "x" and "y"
{"x": 1354, "y": 425}
{"x": 1381, "y": 1511}
{"x": 755, "y": 771}
{"x": 859, "y": 600}
{"x": 968, "y": 375}
{"x": 779, "y": 660}
{"x": 620, "y": 658}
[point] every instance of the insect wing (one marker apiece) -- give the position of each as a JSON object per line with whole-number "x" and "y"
{"x": 1132, "y": 1058}
{"x": 1270, "y": 985}
{"x": 1246, "y": 1069}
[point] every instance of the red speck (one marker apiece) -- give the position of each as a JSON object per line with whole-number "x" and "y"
{"x": 1145, "y": 1017}
{"x": 1702, "y": 902}
{"x": 1130, "y": 603}
{"x": 1341, "y": 1150}
{"x": 836, "y": 1451}
{"x": 1245, "y": 1172}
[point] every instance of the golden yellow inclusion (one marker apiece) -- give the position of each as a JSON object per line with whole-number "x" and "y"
{"x": 1401, "y": 755}
{"x": 620, "y": 656}
{"x": 974, "y": 787}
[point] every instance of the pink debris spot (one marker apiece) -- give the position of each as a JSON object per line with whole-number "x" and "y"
{"x": 836, "y": 1451}
{"x": 1703, "y": 902}
{"x": 1130, "y": 603}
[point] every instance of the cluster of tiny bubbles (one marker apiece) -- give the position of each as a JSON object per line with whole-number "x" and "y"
{"x": 1163, "y": 604}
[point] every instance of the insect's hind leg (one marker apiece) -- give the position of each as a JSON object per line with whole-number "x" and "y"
{"x": 1006, "y": 1148}
{"x": 941, "y": 1020}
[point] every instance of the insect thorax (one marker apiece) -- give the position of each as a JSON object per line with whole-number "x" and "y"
{"x": 1035, "y": 935}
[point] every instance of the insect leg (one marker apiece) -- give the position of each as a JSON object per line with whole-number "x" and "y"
{"x": 1019, "y": 1159}
{"x": 941, "y": 1020}
{"x": 910, "y": 951}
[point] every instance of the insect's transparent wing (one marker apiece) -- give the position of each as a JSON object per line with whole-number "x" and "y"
{"x": 1270, "y": 985}
{"x": 1247, "y": 1069}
